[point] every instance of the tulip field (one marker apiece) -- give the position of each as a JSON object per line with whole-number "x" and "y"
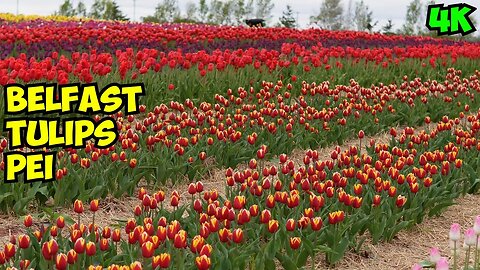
{"x": 241, "y": 101}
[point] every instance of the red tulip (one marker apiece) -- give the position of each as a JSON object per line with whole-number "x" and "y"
{"x": 94, "y": 205}
{"x": 295, "y": 242}
{"x": 28, "y": 221}
{"x": 237, "y": 235}
{"x": 273, "y": 226}
{"x": 23, "y": 241}
{"x": 162, "y": 261}
{"x": 49, "y": 249}
{"x": 203, "y": 262}
{"x": 61, "y": 261}
{"x": 148, "y": 249}
{"x": 361, "y": 134}
{"x": 78, "y": 206}
{"x": 79, "y": 246}
{"x": 60, "y": 222}
{"x": 90, "y": 249}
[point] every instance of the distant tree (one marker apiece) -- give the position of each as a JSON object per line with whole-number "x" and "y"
{"x": 414, "y": 11}
{"x": 249, "y": 8}
{"x": 387, "y": 28}
{"x": 239, "y": 11}
{"x": 150, "y": 19}
{"x": 288, "y": 20}
{"x": 113, "y": 12}
{"x": 348, "y": 21}
{"x": 220, "y": 12}
{"x": 330, "y": 16}
{"x": 81, "y": 9}
{"x": 203, "y": 11}
{"x": 66, "y": 9}
{"x": 264, "y": 9}
{"x": 166, "y": 11}
{"x": 106, "y": 10}
{"x": 191, "y": 11}
{"x": 227, "y": 12}
{"x": 97, "y": 9}
{"x": 363, "y": 17}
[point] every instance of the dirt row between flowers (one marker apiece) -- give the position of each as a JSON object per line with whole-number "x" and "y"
{"x": 408, "y": 247}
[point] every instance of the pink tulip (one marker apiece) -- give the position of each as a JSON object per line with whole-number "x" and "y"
{"x": 476, "y": 225}
{"x": 455, "y": 232}
{"x": 417, "y": 267}
{"x": 435, "y": 255}
{"x": 470, "y": 237}
{"x": 442, "y": 264}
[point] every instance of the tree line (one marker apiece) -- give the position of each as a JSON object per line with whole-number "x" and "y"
{"x": 331, "y": 16}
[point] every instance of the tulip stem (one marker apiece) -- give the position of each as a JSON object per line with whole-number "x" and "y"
{"x": 467, "y": 257}
{"x": 475, "y": 265}
{"x": 455, "y": 255}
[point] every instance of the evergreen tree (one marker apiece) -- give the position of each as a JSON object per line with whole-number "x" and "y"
{"x": 330, "y": 16}
{"x": 288, "y": 20}
{"x": 107, "y": 10}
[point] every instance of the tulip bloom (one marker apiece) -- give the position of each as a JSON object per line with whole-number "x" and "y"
{"x": 454, "y": 233}
{"x": 435, "y": 255}
{"x": 470, "y": 237}
{"x": 49, "y": 249}
{"x": 28, "y": 221}
{"x": 79, "y": 245}
{"x": 237, "y": 235}
{"x": 23, "y": 241}
{"x": 442, "y": 264}
{"x": 61, "y": 261}
{"x": 147, "y": 249}
{"x": 203, "y": 262}
{"x": 90, "y": 249}
{"x": 295, "y": 242}
{"x": 272, "y": 225}
{"x": 94, "y": 205}
{"x": 162, "y": 261}
{"x": 78, "y": 206}
{"x": 72, "y": 256}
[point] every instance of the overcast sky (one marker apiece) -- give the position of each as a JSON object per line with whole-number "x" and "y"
{"x": 382, "y": 9}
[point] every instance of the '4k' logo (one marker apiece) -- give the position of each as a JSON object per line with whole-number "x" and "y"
{"x": 450, "y": 20}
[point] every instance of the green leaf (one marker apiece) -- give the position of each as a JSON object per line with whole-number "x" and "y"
{"x": 427, "y": 264}
{"x": 286, "y": 261}
{"x": 437, "y": 209}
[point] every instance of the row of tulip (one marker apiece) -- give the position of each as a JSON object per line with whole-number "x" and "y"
{"x": 199, "y": 74}
{"x": 176, "y": 141}
{"x": 270, "y": 213}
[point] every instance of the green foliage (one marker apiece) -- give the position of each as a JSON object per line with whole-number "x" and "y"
{"x": 66, "y": 9}
{"x": 107, "y": 10}
{"x": 166, "y": 11}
